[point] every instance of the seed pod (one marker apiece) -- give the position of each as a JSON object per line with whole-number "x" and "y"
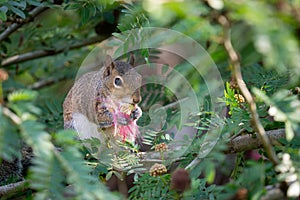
{"x": 158, "y": 169}
{"x": 240, "y": 98}
{"x": 180, "y": 180}
{"x": 161, "y": 147}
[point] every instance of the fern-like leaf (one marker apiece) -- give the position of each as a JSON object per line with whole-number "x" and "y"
{"x": 52, "y": 114}
{"x": 86, "y": 186}
{"x": 22, "y": 95}
{"x": 47, "y": 177}
{"x": 9, "y": 139}
{"x": 149, "y": 187}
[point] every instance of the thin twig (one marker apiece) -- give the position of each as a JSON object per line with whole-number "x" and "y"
{"x": 15, "y": 118}
{"x": 235, "y": 61}
{"x": 42, "y": 53}
{"x": 15, "y": 26}
{"x": 175, "y": 104}
{"x": 13, "y": 188}
{"x": 44, "y": 83}
{"x": 194, "y": 163}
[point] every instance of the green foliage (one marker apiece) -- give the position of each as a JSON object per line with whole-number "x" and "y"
{"x": 9, "y": 139}
{"x": 89, "y": 9}
{"x": 24, "y": 95}
{"x": 210, "y": 159}
{"x": 85, "y": 185}
{"x": 253, "y": 182}
{"x": 265, "y": 79}
{"x": 52, "y": 114}
{"x": 9, "y": 8}
{"x": 149, "y": 187}
{"x": 284, "y": 108}
{"x": 134, "y": 17}
{"x": 230, "y": 98}
{"x": 47, "y": 177}
{"x": 52, "y": 170}
{"x": 200, "y": 190}
{"x": 272, "y": 37}
{"x": 125, "y": 161}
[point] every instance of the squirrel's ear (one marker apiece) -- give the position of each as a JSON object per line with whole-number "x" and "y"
{"x": 109, "y": 66}
{"x": 131, "y": 59}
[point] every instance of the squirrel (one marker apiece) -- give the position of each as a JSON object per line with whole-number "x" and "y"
{"x": 104, "y": 103}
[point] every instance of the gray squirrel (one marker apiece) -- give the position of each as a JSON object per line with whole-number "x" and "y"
{"x": 103, "y": 103}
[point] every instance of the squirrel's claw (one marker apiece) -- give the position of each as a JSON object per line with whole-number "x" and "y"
{"x": 136, "y": 113}
{"x": 105, "y": 124}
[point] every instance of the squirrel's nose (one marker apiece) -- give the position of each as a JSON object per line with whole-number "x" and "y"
{"x": 136, "y": 100}
{"x": 136, "y": 97}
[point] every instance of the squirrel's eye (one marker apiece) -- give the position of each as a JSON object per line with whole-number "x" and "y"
{"x": 118, "y": 81}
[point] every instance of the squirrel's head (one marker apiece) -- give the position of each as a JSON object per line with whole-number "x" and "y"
{"x": 122, "y": 80}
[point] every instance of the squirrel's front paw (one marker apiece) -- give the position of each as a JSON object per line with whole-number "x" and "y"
{"x": 104, "y": 117}
{"x": 136, "y": 113}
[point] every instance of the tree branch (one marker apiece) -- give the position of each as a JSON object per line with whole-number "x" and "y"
{"x": 252, "y": 141}
{"x": 42, "y": 53}
{"x": 273, "y": 192}
{"x": 234, "y": 59}
{"x": 238, "y": 144}
{"x": 246, "y": 142}
{"x": 15, "y": 26}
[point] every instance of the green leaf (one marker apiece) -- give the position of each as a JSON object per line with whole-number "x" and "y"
{"x": 118, "y": 175}
{"x": 10, "y": 142}
{"x": 21, "y": 4}
{"x": 47, "y": 177}
{"x": 66, "y": 138}
{"x": 73, "y": 6}
{"x": 148, "y": 187}
{"x": 108, "y": 175}
{"x": 289, "y": 132}
{"x": 51, "y": 167}
{"x": 36, "y": 137}
{"x": 197, "y": 170}
{"x": 35, "y": 3}
{"x": 18, "y": 12}
{"x": 230, "y": 98}
{"x": 3, "y": 16}
{"x": 284, "y": 108}
{"x": 210, "y": 172}
{"x": 85, "y": 14}
{"x": 22, "y": 95}
{"x": 85, "y": 185}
